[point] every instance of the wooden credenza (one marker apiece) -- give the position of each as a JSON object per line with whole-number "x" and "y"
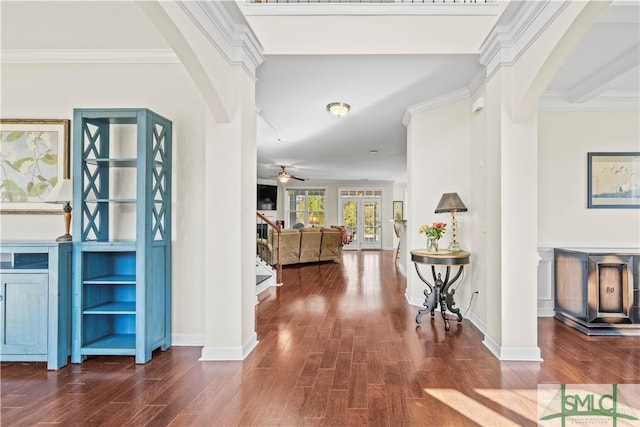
{"x": 596, "y": 292}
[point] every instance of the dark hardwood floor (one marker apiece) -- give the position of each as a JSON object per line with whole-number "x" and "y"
{"x": 339, "y": 346}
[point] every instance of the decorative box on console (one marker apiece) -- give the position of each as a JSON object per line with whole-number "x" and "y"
{"x": 597, "y": 293}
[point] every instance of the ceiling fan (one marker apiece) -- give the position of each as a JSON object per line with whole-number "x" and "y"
{"x": 284, "y": 176}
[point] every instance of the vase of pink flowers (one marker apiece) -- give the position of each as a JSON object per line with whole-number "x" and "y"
{"x": 433, "y": 233}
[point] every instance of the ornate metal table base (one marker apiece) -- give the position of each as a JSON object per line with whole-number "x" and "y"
{"x": 440, "y": 292}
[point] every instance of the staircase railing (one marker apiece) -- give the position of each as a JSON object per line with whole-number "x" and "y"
{"x": 263, "y": 226}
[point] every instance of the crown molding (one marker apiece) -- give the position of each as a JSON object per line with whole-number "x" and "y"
{"x": 491, "y": 7}
{"x": 224, "y": 25}
{"x": 88, "y": 56}
{"x": 477, "y": 80}
{"x": 607, "y": 101}
{"x": 517, "y": 28}
{"x": 439, "y": 101}
{"x": 595, "y": 84}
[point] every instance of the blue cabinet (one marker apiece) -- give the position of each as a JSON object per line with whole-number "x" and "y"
{"x": 122, "y": 223}
{"x": 35, "y": 288}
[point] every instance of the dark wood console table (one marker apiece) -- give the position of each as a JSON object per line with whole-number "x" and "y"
{"x": 440, "y": 291}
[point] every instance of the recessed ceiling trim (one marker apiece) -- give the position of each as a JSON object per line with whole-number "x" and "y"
{"x": 595, "y": 83}
{"x": 447, "y": 98}
{"x": 519, "y": 26}
{"x": 613, "y": 100}
{"x": 489, "y": 8}
{"x": 227, "y": 29}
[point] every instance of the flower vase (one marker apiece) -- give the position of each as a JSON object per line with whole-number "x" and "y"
{"x": 432, "y": 244}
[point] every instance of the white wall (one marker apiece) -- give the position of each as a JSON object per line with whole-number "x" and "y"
{"x": 438, "y": 161}
{"x": 565, "y": 138}
{"x": 52, "y": 91}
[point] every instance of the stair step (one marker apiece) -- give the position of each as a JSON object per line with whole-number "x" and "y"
{"x": 261, "y": 278}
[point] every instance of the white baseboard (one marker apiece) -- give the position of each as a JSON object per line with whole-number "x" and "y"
{"x": 401, "y": 269}
{"x": 524, "y": 354}
{"x": 477, "y": 322}
{"x": 229, "y": 353}
{"x": 187, "y": 340}
{"x": 416, "y": 302}
{"x": 545, "y": 311}
{"x": 492, "y": 345}
{"x": 521, "y": 354}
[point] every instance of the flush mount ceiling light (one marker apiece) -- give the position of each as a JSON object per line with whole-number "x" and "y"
{"x": 338, "y": 109}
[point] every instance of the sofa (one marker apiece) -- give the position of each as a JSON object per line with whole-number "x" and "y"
{"x": 302, "y": 245}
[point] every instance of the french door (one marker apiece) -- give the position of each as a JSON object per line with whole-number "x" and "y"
{"x": 362, "y": 218}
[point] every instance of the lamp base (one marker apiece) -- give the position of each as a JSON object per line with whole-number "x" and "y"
{"x": 64, "y": 238}
{"x": 454, "y": 246}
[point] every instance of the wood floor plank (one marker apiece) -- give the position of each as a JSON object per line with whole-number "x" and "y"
{"x": 337, "y": 403}
{"x": 319, "y": 396}
{"x": 358, "y": 386}
{"x": 377, "y": 406}
{"x": 342, "y": 375}
{"x": 338, "y": 346}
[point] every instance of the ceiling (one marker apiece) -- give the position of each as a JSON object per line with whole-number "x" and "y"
{"x": 369, "y": 144}
{"x": 380, "y": 65}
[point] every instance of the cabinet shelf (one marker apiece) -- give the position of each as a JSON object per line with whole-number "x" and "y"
{"x": 111, "y": 344}
{"x": 118, "y": 200}
{"x": 122, "y": 162}
{"x": 34, "y": 269}
{"x": 114, "y": 307}
{"x": 113, "y": 279}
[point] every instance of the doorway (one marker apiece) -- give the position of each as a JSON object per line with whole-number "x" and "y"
{"x": 361, "y": 215}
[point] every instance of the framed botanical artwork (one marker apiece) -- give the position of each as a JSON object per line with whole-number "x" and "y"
{"x": 34, "y": 156}
{"x": 613, "y": 180}
{"x": 397, "y": 211}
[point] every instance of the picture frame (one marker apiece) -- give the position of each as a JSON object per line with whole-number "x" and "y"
{"x": 613, "y": 180}
{"x": 398, "y": 215}
{"x": 34, "y": 156}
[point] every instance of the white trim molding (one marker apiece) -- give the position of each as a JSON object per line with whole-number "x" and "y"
{"x": 224, "y": 25}
{"x": 187, "y": 340}
{"x": 88, "y": 56}
{"x": 517, "y": 28}
{"x": 490, "y": 7}
{"x": 546, "y": 281}
{"x": 520, "y": 354}
{"x": 439, "y": 101}
{"x": 229, "y": 353}
{"x": 416, "y": 302}
{"x": 607, "y": 101}
{"x": 595, "y": 84}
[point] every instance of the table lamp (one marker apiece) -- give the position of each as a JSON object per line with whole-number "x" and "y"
{"x": 450, "y": 202}
{"x": 61, "y": 193}
{"x": 313, "y": 220}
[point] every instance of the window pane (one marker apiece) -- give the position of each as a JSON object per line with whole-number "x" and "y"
{"x": 304, "y": 203}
